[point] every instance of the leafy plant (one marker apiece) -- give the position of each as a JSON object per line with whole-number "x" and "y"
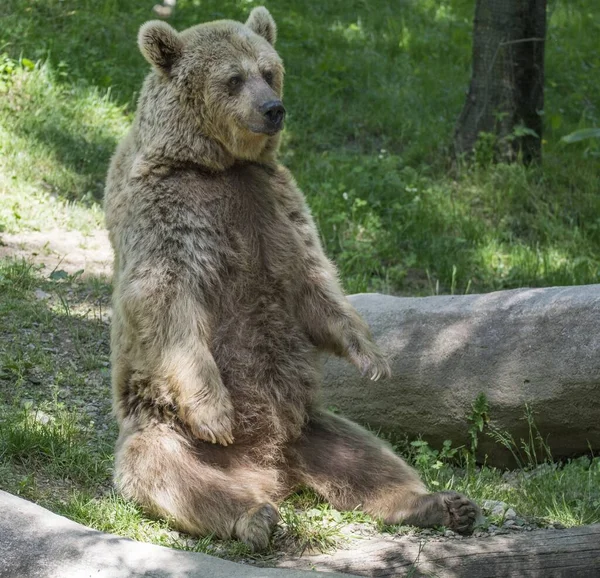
{"x": 433, "y": 464}
{"x": 585, "y": 134}
{"x": 478, "y": 418}
{"x": 317, "y": 528}
{"x": 582, "y": 134}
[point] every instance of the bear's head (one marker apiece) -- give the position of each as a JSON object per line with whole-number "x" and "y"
{"x": 214, "y": 94}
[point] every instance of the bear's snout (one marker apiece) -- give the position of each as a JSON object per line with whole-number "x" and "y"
{"x": 274, "y": 114}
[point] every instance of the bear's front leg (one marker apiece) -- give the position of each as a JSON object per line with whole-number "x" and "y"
{"x": 331, "y": 321}
{"x": 203, "y": 403}
{"x": 324, "y": 311}
{"x": 171, "y": 329}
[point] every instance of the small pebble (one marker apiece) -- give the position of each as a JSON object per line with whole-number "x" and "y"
{"x": 42, "y": 417}
{"x": 39, "y": 294}
{"x": 495, "y": 507}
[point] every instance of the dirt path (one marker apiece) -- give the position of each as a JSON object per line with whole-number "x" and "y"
{"x": 70, "y": 251}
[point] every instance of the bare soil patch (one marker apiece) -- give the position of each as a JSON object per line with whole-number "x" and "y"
{"x": 70, "y": 251}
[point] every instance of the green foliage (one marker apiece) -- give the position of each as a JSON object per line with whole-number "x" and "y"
{"x": 111, "y": 513}
{"x": 16, "y": 276}
{"x": 528, "y": 453}
{"x": 586, "y": 134}
{"x": 478, "y": 418}
{"x": 433, "y": 465}
{"x": 37, "y": 440}
{"x": 7, "y": 69}
{"x": 582, "y": 134}
{"x": 316, "y": 528}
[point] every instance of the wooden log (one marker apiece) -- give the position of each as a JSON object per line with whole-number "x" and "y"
{"x": 571, "y": 553}
{"x": 536, "y": 347}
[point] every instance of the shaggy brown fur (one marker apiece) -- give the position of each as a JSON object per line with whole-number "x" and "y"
{"x": 223, "y": 298}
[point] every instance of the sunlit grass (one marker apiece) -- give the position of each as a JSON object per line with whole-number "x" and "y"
{"x": 56, "y": 443}
{"x": 111, "y": 513}
{"x": 55, "y": 143}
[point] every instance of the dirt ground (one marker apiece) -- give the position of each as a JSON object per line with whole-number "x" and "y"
{"x": 69, "y": 251}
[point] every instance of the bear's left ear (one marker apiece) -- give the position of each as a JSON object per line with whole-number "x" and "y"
{"x": 261, "y": 22}
{"x": 160, "y": 44}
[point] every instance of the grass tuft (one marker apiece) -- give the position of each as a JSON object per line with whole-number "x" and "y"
{"x": 54, "y": 443}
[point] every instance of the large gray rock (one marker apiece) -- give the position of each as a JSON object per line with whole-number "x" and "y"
{"x": 35, "y": 543}
{"x": 528, "y": 346}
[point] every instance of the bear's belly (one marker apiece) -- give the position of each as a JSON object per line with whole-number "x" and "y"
{"x": 269, "y": 366}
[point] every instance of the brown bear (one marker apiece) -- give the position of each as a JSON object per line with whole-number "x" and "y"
{"x": 223, "y": 299}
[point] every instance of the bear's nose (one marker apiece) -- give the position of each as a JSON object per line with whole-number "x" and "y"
{"x": 274, "y": 112}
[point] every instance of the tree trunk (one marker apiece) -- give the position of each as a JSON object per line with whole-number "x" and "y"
{"x": 506, "y": 95}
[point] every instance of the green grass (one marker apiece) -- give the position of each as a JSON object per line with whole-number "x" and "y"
{"x": 542, "y": 491}
{"x": 373, "y": 90}
{"x": 36, "y": 440}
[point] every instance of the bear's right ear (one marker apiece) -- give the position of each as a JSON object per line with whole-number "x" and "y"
{"x": 160, "y": 44}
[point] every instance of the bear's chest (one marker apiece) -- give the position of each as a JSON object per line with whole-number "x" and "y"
{"x": 263, "y": 240}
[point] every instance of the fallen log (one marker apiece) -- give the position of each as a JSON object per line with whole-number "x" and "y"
{"x": 570, "y": 553}
{"x": 36, "y": 543}
{"x": 527, "y": 346}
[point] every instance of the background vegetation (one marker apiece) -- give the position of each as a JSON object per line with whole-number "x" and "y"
{"x": 373, "y": 91}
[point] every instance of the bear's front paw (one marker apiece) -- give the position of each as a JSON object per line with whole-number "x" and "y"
{"x": 212, "y": 422}
{"x": 370, "y": 361}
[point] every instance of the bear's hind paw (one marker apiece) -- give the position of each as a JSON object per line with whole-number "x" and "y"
{"x": 255, "y": 527}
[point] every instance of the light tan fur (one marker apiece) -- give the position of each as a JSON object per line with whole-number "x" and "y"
{"x": 223, "y": 299}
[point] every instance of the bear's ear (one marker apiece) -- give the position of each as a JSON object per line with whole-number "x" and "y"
{"x": 160, "y": 44}
{"x": 261, "y": 22}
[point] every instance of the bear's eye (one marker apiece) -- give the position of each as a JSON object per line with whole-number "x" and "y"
{"x": 268, "y": 76}
{"x": 235, "y": 81}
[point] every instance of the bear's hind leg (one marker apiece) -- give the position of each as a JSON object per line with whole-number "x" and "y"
{"x": 351, "y": 468}
{"x": 199, "y": 490}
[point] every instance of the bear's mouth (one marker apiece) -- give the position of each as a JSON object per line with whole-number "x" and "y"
{"x": 265, "y": 130}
